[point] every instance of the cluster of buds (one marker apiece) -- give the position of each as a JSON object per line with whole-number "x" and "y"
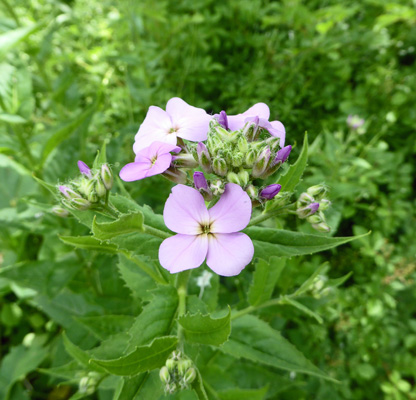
{"x": 88, "y": 384}
{"x": 239, "y": 157}
{"x": 87, "y": 190}
{"x": 178, "y": 372}
{"x": 311, "y": 205}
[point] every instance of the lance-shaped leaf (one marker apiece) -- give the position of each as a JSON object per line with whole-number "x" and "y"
{"x": 10, "y": 38}
{"x": 278, "y": 242}
{"x": 255, "y": 340}
{"x": 89, "y": 243}
{"x": 142, "y": 359}
{"x": 264, "y": 280}
{"x": 292, "y": 176}
{"x": 127, "y": 223}
{"x": 204, "y": 329}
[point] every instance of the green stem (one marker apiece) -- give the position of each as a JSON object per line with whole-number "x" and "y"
{"x": 156, "y": 232}
{"x": 182, "y": 288}
{"x": 270, "y": 214}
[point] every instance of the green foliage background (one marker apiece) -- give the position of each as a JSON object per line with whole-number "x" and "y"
{"x": 76, "y": 73}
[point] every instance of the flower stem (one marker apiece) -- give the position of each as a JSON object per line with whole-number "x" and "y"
{"x": 182, "y": 288}
{"x": 156, "y": 232}
{"x": 270, "y": 214}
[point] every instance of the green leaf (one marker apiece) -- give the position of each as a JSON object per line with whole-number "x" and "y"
{"x": 89, "y": 243}
{"x": 157, "y": 317}
{"x": 12, "y": 118}
{"x": 243, "y": 394}
{"x": 105, "y": 326}
{"x": 144, "y": 358}
{"x": 255, "y": 340}
{"x": 301, "y": 307}
{"x": 270, "y": 242}
{"x": 51, "y": 188}
{"x": 204, "y": 329}
{"x": 127, "y": 223}
{"x": 338, "y": 281}
{"x": 10, "y": 38}
{"x": 264, "y": 280}
{"x": 292, "y": 176}
{"x": 308, "y": 283}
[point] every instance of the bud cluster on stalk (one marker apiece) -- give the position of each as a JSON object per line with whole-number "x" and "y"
{"x": 88, "y": 189}
{"x": 177, "y": 373}
{"x": 311, "y": 206}
{"x": 239, "y": 157}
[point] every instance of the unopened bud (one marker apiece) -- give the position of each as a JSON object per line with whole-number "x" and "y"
{"x": 243, "y": 177}
{"x": 164, "y": 374}
{"x": 170, "y": 364}
{"x": 217, "y": 187}
{"x": 305, "y": 199}
{"x": 204, "y": 158}
{"x": 261, "y": 163}
{"x": 84, "y": 169}
{"x": 175, "y": 175}
{"x": 324, "y": 204}
{"x": 233, "y": 178}
{"x": 107, "y": 176}
{"x": 315, "y": 219}
{"x": 100, "y": 188}
{"x": 251, "y": 129}
{"x": 60, "y": 211}
{"x": 80, "y": 204}
{"x": 69, "y": 193}
{"x": 273, "y": 143}
{"x": 183, "y": 366}
{"x": 242, "y": 144}
{"x": 251, "y": 157}
{"x": 307, "y": 211}
{"x": 252, "y": 191}
{"x": 223, "y": 120}
{"x": 184, "y": 160}
{"x": 321, "y": 227}
{"x": 190, "y": 375}
{"x": 237, "y": 160}
{"x": 317, "y": 191}
{"x": 220, "y": 166}
{"x": 283, "y": 154}
{"x": 269, "y": 192}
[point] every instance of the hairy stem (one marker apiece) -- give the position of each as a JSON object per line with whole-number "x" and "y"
{"x": 270, "y": 214}
{"x": 182, "y": 288}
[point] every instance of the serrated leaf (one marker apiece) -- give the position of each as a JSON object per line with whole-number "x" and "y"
{"x": 264, "y": 280}
{"x": 255, "y": 340}
{"x": 143, "y": 359}
{"x": 89, "y": 243}
{"x": 270, "y": 242}
{"x": 204, "y": 329}
{"x": 127, "y": 223}
{"x": 292, "y": 176}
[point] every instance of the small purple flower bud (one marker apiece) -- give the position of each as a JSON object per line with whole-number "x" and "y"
{"x": 261, "y": 163}
{"x": 69, "y": 193}
{"x": 84, "y": 169}
{"x": 199, "y": 181}
{"x": 223, "y": 120}
{"x": 307, "y": 211}
{"x": 283, "y": 154}
{"x": 204, "y": 157}
{"x": 270, "y": 191}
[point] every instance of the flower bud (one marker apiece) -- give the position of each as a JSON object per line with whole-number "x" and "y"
{"x": 100, "y": 188}
{"x": 190, "y": 375}
{"x": 316, "y": 218}
{"x": 201, "y": 184}
{"x": 237, "y": 160}
{"x": 107, "y": 176}
{"x": 283, "y": 154}
{"x": 269, "y": 192}
{"x": 251, "y": 129}
{"x": 84, "y": 169}
{"x": 170, "y": 364}
{"x": 243, "y": 177}
{"x": 204, "y": 158}
{"x": 304, "y": 199}
{"x": 60, "y": 211}
{"x": 324, "y": 204}
{"x": 233, "y": 178}
{"x": 307, "y": 211}
{"x": 252, "y": 191}
{"x": 69, "y": 193}
{"x": 164, "y": 374}
{"x": 220, "y": 166}
{"x": 261, "y": 163}
{"x": 184, "y": 160}
{"x": 217, "y": 187}
{"x": 183, "y": 366}
{"x": 321, "y": 227}
{"x": 175, "y": 175}
{"x": 92, "y": 196}
{"x": 80, "y": 204}
{"x": 273, "y": 143}
{"x": 242, "y": 144}
{"x": 223, "y": 120}
{"x": 317, "y": 191}
{"x": 250, "y": 159}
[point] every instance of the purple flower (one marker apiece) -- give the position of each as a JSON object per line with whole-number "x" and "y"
{"x": 270, "y": 191}
{"x": 307, "y": 211}
{"x": 207, "y": 234}
{"x": 179, "y": 120}
{"x": 282, "y": 154}
{"x": 200, "y": 181}
{"x": 152, "y": 160}
{"x": 354, "y": 121}
{"x": 223, "y": 119}
{"x": 258, "y": 114}
{"x": 84, "y": 169}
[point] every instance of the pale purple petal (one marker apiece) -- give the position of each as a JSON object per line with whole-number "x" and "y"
{"x": 155, "y": 127}
{"x": 84, "y": 168}
{"x": 185, "y": 211}
{"x": 229, "y": 253}
{"x": 278, "y": 131}
{"x": 260, "y": 110}
{"x": 135, "y": 171}
{"x": 232, "y": 212}
{"x": 182, "y": 252}
{"x": 189, "y": 122}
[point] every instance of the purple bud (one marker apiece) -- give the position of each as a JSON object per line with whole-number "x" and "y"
{"x": 68, "y": 192}
{"x": 313, "y": 207}
{"x": 270, "y": 191}
{"x": 204, "y": 157}
{"x": 84, "y": 169}
{"x": 64, "y": 190}
{"x": 283, "y": 154}
{"x": 223, "y": 120}
{"x": 199, "y": 181}
{"x": 307, "y": 211}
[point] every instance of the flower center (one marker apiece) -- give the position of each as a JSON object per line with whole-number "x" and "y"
{"x": 205, "y": 229}
{"x": 173, "y": 129}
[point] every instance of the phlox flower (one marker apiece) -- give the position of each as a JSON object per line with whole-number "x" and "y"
{"x": 259, "y": 114}
{"x": 179, "y": 120}
{"x": 207, "y": 234}
{"x": 152, "y": 160}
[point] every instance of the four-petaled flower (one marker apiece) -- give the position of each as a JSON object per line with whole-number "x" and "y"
{"x": 152, "y": 160}
{"x": 179, "y": 120}
{"x": 207, "y": 234}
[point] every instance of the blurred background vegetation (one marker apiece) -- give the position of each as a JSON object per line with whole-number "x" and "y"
{"x": 76, "y": 73}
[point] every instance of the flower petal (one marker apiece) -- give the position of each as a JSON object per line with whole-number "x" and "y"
{"x": 135, "y": 171}
{"x": 185, "y": 211}
{"x": 279, "y": 131}
{"x": 155, "y": 127}
{"x": 182, "y": 252}
{"x": 232, "y": 211}
{"x": 260, "y": 110}
{"x": 192, "y": 123}
{"x": 229, "y": 253}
